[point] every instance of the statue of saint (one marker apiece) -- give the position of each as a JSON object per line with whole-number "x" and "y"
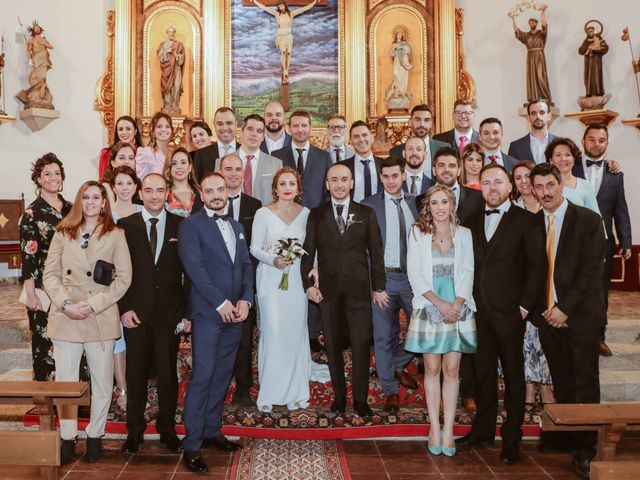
{"x": 593, "y": 48}
{"x": 397, "y": 93}
{"x": 38, "y": 94}
{"x": 534, "y": 40}
{"x": 2, "y": 112}
{"x": 284, "y": 37}
{"x": 171, "y": 54}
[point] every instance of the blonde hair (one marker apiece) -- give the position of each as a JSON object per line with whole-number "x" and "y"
{"x": 425, "y": 221}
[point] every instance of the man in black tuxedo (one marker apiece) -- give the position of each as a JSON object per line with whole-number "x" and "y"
{"x": 491, "y": 135}
{"x": 533, "y": 144}
{"x": 346, "y": 238}
{"x": 612, "y": 203}
{"x": 508, "y": 284}
{"x": 150, "y": 310}
{"x": 574, "y": 310}
{"x": 364, "y": 167}
{"x": 242, "y": 208}
{"x": 204, "y": 159}
{"x": 462, "y": 134}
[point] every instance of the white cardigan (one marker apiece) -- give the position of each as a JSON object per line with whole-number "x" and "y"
{"x": 420, "y": 266}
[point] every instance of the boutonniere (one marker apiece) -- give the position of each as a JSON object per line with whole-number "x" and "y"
{"x": 173, "y": 239}
{"x": 351, "y": 220}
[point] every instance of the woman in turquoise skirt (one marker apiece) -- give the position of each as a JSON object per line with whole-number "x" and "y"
{"x": 442, "y": 327}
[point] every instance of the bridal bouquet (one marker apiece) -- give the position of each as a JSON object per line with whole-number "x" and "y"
{"x": 289, "y": 249}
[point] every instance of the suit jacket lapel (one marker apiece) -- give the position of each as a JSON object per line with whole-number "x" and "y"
{"x": 169, "y": 230}
{"x": 606, "y": 181}
{"x": 217, "y": 233}
{"x": 567, "y": 226}
{"x": 143, "y": 233}
{"x": 331, "y": 222}
{"x": 502, "y": 226}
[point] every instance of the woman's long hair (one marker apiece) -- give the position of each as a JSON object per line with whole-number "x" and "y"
{"x": 425, "y": 221}
{"x": 466, "y": 153}
{"x": 70, "y": 224}
{"x": 132, "y": 121}
{"x": 108, "y": 173}
{"x": 154, "y": 122}
{"x": 167, "y": 171}
{"x": 276, "y": 177}
{"x": 529, "y": 164}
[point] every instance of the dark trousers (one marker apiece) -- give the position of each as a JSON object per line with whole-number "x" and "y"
{"x": 573, "y": 357}
{"x": 467, "y": 376}
{"x": 357, "y": 315}
{"x": 151, "y": 346}
{"x": 606, "y": 281}
{"x": 242, "y": 368}
{"x": 500, "y": 338}
{"x": 314, "y": 323}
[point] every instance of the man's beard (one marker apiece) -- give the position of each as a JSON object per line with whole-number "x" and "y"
{"x": 275, "y": 130}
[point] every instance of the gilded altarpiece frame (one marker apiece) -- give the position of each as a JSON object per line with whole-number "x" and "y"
{"x": 214, "y": 20}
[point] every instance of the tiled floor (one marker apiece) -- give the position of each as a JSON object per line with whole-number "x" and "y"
{"x": 367, "y": 460}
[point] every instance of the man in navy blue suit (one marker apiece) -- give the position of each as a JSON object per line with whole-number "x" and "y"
{"x": 609, "y": 188}
{"x": 533, "y": 144}
{"x": 216, "y": 258}
{"x": 418, "y": 176}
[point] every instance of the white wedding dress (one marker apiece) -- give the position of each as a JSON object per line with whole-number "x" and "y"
{"x": 284, "y": 358}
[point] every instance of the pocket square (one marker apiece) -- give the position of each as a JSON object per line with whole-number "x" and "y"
{"x": 173, "y": 239}
{"x": 241, "y": 236}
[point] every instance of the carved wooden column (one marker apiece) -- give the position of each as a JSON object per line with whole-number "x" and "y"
{"x": 355, "y": 53}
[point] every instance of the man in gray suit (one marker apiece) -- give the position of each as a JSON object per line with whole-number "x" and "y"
{"x": 421, "y": 123}
{"x": 534, "y": 143}
{"x": 259, "y": 167}
{"x": 396, "y": 212}
{"x": 337, "y": 135}
{"x": 491, "y": 135}
{"x": 463, "y": 133}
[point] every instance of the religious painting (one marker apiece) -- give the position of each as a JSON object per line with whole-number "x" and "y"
{"x": 171, "y": 62}
{"x": 285, "y": 48}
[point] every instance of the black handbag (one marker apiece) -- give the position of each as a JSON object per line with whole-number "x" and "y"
{"x": 104, "y": 273}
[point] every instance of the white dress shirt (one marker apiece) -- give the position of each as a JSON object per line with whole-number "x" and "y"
{"x": 160, "y": 226}
{"x": 594, "y": 174}
{"x": 491, "y": 221}
{"x": 418, "y": 178}
{"x": 455, "y": 188}
{"x": 392, "y": 253}
{"x": 236, "y": 205}
{"x": 305, "y": 153}
{"x": 226, "y": 149}
{"x": 332, "y": 152}
{"x": 273, "y": 145}
{"x": 254, "y": 163}
{"x": 557, "y": 222}
{"x": 497, "y": 154}
{"x": 358, "y": 188}
{"x": 345, "y": 210}
{"x": 457, "y": 134}
{"x": 538, "y": 147}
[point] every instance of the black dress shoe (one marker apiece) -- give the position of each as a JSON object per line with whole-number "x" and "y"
{"x": 172, "y": 442}
{"x": 221, "y": 443}
{"x": 472, "y": 440}
{"x": 392, "y": 403}
{"x": 605, "y": 351}
{"x": 362, "y": 409}
{"x": 510, "y": 454}
{"x": 132, "y": 443}
{"x": 243, "y": 399}
{"x": 195, "y": 463}
{"x": 94, "y": 450}
{"x": 67, "y": 451}
{"x": 582, "y": 466}
{"x": 339, "y": 406}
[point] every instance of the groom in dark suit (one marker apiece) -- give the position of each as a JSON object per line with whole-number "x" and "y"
{"x": 216, "y": 258}
{"x": 151, "y": 309}
{"x": 346, "y": 239}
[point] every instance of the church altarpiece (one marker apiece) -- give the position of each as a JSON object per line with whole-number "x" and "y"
{"x": 352, "y": 70}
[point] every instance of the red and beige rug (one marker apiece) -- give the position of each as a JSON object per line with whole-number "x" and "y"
{"x": 268, "y": 459}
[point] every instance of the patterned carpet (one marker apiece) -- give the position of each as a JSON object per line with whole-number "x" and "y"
{"x": 264, "y": 459}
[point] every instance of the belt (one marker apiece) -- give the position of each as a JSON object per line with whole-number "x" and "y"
{"x": 393, "y": 270}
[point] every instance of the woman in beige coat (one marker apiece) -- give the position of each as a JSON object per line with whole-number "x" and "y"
{"x": 84, "y": 314}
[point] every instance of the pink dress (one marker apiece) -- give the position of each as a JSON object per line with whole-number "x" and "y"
{"x": 149, "y": 161}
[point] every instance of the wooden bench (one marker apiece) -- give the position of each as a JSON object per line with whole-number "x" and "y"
{"x": 609, "y": 419}
{"x": 622, "y": 470}
{"x": 42, "y": 447}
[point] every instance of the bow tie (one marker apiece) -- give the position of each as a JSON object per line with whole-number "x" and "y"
{"x": 221, "y": 217}
{"x": 597, "y": 163}
{"x": 489, "y": 212}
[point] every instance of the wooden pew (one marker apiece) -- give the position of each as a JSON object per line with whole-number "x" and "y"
{"x": 609, "y": 419}
{"x": 621, "y": 470}
{"x": 41, "y": 447}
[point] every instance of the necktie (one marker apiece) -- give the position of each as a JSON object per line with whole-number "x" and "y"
{"x": 342, "y": 227}
{"x": 414, "y": 185}
{"x": 489, "y": 212}
{"x": 367, "y": 178}
{"x": 492, "y": 159}
{"x": 403, "y": 234}
{"x": 337, "y": 150}
{"x": 230, "y": 211}
{"x": 300, "y": 161}
{"x": 227, "y": 150}
{"x": 551, "y": 259}
{"x": 153, "y": 237}
{"x": 463, "y": 142}
{"x": 597, "y": 163}
{"x": 225, "y": 217}
{"x": 247, "y": 183}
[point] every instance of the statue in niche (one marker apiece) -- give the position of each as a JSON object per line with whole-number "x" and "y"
{"x": 284, "y": 37}
{"x": 381, "y": 144}
{"x": 593, "y": 48}
{"x": 535, "y": 40}
{"x": 171, "y": 54}
{"x": 2, "y": 112}
{"x": 397, "y": 93}
{"x": 38, "y": 94}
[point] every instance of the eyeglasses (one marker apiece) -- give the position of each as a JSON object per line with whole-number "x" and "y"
{"x": 85, "y": 240}
{"x": 336, "y": 127}
{"x": 464, "y": 114}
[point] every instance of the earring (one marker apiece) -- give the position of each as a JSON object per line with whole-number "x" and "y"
{"x": 61, "y": 187}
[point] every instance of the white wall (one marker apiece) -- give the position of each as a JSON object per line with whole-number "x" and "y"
{"x": 496, "y": 60}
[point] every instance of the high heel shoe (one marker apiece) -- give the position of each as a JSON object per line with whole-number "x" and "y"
{"x": 434, "y": 449}
{"x": 121, "y": 398}
{"x": 449, "y": 452}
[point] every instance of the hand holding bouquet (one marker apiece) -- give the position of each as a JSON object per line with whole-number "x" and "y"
{"x": 290, "y": 250}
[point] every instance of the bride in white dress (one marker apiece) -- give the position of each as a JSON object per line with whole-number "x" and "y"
{"x": 284, "y": 359}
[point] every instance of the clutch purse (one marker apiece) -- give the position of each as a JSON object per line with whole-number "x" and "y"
{"x": 104, "y": 273}
{"x": 45, "y": 301}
